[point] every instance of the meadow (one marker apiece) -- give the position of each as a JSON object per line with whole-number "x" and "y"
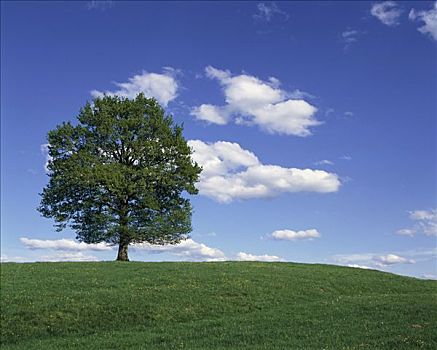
{"x": 220, "y": 305}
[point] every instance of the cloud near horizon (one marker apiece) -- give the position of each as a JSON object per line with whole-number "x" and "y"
{"x": 163, "y": 87}
{"x": 68, "y": 256}
{"x": 187, "y": 250}
{"x": 231, "y": 172}
{"x": 251, "y": 101}
{"x": 371, "y": 260}
{"x": 63, "y": 244}
{"x": 359, "y": 266}
{"x": 242, "y": 256}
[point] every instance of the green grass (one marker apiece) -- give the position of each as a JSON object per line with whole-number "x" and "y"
{"x": 232, "y": 305}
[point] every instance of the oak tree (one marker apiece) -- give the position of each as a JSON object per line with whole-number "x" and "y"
{"x": 121, "y": 175}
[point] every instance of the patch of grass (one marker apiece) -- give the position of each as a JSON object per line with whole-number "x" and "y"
{"x": 229, "y": 305}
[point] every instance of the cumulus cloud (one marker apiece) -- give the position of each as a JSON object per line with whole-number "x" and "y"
{"x": 66, "y": 256}
{"x": 429, "y": 19}
{"x": 212, "y": 114}
{"x": 187, "y": 249}
{"x": 387, "y": 12}
{"x": 267, "y": 11}
{"x": 163, "y": 86}
{"x": 251, "y": 101}
{"x": 63, "y": 244}
{"x": 359, "y": 266}
{"x": 290, "y": 235}
{"x": 425, "y": 223}
{"x": 391, "y": 259}
{"x": 231, "y": 172}
{"x": 241, "y": 256}
{"x": 371, "y": 259}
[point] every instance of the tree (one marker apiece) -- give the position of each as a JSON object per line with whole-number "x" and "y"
{"x": 120, "y": 175}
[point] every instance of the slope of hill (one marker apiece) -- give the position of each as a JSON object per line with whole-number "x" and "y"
{"x": 229, "y": 305}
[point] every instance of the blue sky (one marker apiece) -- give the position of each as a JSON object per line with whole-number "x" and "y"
{"x": 315, "y": 122}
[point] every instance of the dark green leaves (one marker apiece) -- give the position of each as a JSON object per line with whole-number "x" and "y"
{"x": 121, "y": 172}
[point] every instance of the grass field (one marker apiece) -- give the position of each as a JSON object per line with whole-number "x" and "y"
{"x": 229, "y": 305}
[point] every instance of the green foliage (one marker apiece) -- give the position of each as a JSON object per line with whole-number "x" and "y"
{"x": 119, "y": 176}
{"x": 229, "y": 305}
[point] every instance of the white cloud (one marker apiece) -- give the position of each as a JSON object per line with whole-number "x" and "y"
{"x": 61, "y": 256}
{"x": 7, "y": 258}
{"x": 425, "y": 222}
{"x": 349, "y": 36}
{"x": 359, "y": 266}
{"x": 421, "y": 254}
{"x": 267, "y": 11}
{"x": 348, "y": 114}
{"x": 63, "y": 244}
{"x": 351, "y": 258}
{"x": 66, "y": 256}
{"x": 429, "y": 18}
{"x": 406, "y": 232}
{"x": 44, "y": 148}
{"x": 210, "y": 113}
{"x": 346, "y": 157}
{"x": 241, "y": 256}
{"x": 187, "y": 249}
{"x": 231, "y": 172}
{"x": 163, "y": 86}
{"x": 297, "y": 94}
{"x": 324, "y": 162}
{"x": 372, "y": 260}
{"x": 429, "y": 276}
{"x": 391, "y": 259}
{"x": 424, "y": 215}
{"x": 290, "y": 235}
{"x": 251, "y": 101}
{"x": 387, "y": 12}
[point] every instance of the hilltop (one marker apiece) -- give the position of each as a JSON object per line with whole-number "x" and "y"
{"x": 226, "y": 305}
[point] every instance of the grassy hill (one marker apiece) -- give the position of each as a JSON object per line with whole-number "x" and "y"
{"x": 231, "y": 305}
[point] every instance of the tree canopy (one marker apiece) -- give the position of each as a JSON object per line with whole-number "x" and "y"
{"x": 120, "y": 175}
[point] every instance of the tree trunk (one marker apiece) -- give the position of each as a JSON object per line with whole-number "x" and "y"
{"x": 122, "y": 251}
{"x": 123, "y": 231}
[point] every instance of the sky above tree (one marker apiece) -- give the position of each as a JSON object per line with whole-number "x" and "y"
{"x": 315, "y": 123}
